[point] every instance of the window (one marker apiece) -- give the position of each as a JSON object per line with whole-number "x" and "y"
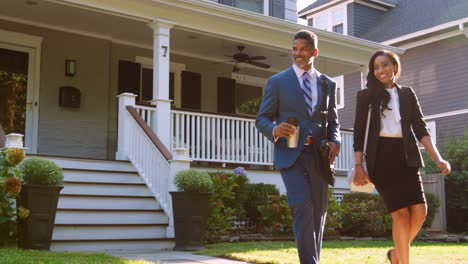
{"x": 274, "y": 8}
{"x": 339, "y": 95}
{"x": 338, "y": 28}
{"x": 249, "y": 5}
{"x": 331, "y": 20}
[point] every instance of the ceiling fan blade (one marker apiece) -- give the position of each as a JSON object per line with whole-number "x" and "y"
{"x": 259, "y": 64}
{"x": 220, "y": 62}
{"x": 257, "y": 58}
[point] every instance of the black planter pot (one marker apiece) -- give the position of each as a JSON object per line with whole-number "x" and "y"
{"x": 190, "y": 216}
{"x": 35, "y": 232}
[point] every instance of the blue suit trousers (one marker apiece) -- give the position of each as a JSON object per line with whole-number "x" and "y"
{"x": 307, "y": 194}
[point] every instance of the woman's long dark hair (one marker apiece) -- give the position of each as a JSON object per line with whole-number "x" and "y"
{"x": 378, "y": 96}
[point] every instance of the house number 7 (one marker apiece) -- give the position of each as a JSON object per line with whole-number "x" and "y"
{"x": 164, "y": 50}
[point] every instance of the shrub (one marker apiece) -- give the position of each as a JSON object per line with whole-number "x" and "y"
{"x": 251, "y": 107}
{"x": 41, "y": 172}
{"x": 258, "y": 195}
{"x": 433, "y": 204}
{"x": 456, "y": 190}
{"x": 333, "y": 224}
{"x": 364, "y": 215}
{"x": 193, "y": 181}
{"x": 221, "y": 214}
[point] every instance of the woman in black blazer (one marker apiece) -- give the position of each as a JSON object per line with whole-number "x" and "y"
{"x": 392, "y": 155}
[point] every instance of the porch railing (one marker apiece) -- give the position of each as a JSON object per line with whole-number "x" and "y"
{"x": 228, "y": 139}
{"x": 218, "y": 138}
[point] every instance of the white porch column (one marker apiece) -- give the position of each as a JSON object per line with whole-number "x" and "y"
{"x": 161, "y": 66}
{"x": 179, "y": 162}
{"x": 122, "y": 141}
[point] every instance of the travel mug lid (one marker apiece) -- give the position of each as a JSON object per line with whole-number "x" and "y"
{"x": 293, "y": 121}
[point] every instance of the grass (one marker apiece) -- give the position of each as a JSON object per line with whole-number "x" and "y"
{"x": 17, "y": 256}
{"x": 338, "y": 252}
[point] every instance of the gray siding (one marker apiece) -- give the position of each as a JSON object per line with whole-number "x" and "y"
{"x": 450, "y": 127}
{"x": 438, "y": 74}
{"x": 290, "y": 10}
{"x": 352, "y": 84}
{"x": 69, "y": 132}
{"x": 361, "y": 18}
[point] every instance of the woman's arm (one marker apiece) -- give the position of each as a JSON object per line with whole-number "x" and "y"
{"x": 360, "y": 121}
{"x": 431, "y": 149}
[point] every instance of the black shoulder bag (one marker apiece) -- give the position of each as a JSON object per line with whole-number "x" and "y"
{"x": 328, "y": 171}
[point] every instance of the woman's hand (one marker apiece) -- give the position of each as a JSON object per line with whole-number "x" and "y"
{"x": 360, "y": 176}
{"x": 444, "y": 166}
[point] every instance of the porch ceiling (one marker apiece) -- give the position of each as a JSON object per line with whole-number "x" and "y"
{"x": 195, "y": 34}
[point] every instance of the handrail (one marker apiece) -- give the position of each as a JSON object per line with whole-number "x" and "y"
{"x": 164, "y": 151}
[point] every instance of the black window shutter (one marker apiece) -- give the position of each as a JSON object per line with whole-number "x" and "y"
{"x": 147, "y": 84}
{"x": 129, "y": 77}
{"x": 191, "y": 90}
{"x": 277, "y": 8}
{"x": 171, "y": 87}
{"x": 226, "y": 95}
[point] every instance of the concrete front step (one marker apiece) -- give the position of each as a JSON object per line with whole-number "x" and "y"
{"x": 106, "y": 202}
{"x": 86, "y": 216}
{"x": 130, "y": 245}
{"x": 96, "y": 232}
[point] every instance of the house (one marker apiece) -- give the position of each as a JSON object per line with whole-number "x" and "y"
{"x": 123, "y": 94}
{"x": 434, "y": 35}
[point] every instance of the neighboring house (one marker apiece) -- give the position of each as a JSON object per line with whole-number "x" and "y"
{"x": 434, "y": 35}
{"x": 69, "y": 74}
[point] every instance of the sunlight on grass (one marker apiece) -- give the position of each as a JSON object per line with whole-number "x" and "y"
{"x": 338, "y": 252}
{"x": 16, "y": 256}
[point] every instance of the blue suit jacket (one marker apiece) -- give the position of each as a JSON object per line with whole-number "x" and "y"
{"x": 284, "y": 98}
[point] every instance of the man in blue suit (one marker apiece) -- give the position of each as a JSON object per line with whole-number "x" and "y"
{"x": 297, "y": 92}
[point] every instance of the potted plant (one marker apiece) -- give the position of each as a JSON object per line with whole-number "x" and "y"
{"x": 42, "y": 183}
{"x": 190, "y": 206}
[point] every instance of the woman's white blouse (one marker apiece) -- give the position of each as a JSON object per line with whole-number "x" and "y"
{"x": 390, "y": 121}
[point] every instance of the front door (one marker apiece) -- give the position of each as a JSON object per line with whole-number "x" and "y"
{"x": 17, "y": 93}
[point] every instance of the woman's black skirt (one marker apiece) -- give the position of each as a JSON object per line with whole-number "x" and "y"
{"x": 399, "y": 185}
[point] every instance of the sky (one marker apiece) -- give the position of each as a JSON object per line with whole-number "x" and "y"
{"x": 300, "y": 5}
{"x": 303, "y": 3}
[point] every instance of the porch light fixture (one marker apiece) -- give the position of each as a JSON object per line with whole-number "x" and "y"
{"x": 70, "y": 68}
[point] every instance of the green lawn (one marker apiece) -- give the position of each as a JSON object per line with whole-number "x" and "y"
{"x": 339, "y": 252}
{"x": 16, "y": 256}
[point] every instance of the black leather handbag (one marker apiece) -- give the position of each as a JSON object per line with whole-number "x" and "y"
{"x": 328, "y": 170}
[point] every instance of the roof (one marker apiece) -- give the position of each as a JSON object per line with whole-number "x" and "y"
{"x": 415, "y": 15}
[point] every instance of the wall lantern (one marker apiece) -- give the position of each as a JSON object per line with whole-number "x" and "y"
{"x": 70, "y": 68}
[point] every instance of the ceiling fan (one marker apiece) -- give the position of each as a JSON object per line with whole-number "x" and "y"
{"x": 245, "y": 58}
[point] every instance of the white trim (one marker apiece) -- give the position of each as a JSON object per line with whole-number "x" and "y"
{"x": 34, "y": 69}
{"x": 426, "y": 31}
{"x": 266, "y": 7}
{"x": 249, "y": 80}
{"x": 422, "y": 42}
{"x": 446, "y": 114}
{"x": 334, "y": 3}
{"x": 339, "y": 80}
{"x": 431, "y": 125}
{"x": 371, "y": 5}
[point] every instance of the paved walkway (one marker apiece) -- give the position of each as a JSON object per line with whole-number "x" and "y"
{"x": 173, "y": 257}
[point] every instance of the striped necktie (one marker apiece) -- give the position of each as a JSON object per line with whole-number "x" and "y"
{"x": 307, "y": 92}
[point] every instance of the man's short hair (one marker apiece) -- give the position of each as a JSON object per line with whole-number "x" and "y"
{"x": 307, "y": 35}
